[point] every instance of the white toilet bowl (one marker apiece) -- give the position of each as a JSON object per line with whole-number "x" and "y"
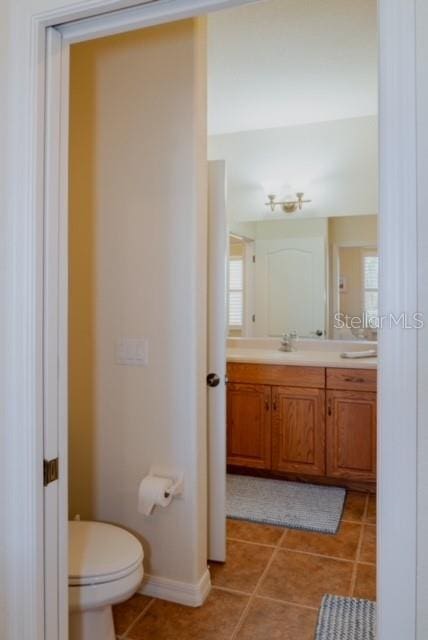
{"x": 105, "y": 567}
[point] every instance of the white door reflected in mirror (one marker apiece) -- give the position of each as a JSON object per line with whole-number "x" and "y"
{"x": 299, "y": 275}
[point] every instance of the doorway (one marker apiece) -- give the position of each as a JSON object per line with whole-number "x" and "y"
{"x": 399, "y": 355}
{"x": 287, "y": 431}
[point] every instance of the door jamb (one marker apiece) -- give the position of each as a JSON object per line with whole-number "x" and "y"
{"x": 398, "y": 281}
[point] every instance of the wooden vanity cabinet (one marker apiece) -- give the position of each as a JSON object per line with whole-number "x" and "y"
{"x": 303, "y": 422}
{"x": 351, "y": 424}
{"x": 351, "y": 435}
{"x": 249, "y": 425}
{"x": 298, "y": 430}
{"x": 279, "y": 425}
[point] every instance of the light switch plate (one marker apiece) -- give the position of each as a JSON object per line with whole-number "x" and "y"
{"x": 132, "y": 352}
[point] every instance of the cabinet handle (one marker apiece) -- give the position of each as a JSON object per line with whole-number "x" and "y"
{"x": 274, "y": 405}
{"x": 329, "y": 408}
{"x": 267, "y": 407}
{"x": 354, "y": 379}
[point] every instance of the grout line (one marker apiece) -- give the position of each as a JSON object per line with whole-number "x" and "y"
{"x": 274, "y": 555}
{"x": 317, "y": 555}
{"x": 257, "y": 544}
{"x": 359, "y": 547}
{"x": 354, "y": 521}
{"x": 140, "y": 615}
{"x": 244, "y": 614}
{"x": 366, "y": 508}
{"x": 289, "y": 602}
{"x": 244, "y": 593}
{"x": 230, "y": 590}
{"x": 305, "y": 552}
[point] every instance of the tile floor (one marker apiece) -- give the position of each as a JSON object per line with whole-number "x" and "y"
{"x": 271, "y": 585}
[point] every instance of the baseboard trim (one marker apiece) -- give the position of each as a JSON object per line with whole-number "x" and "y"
{"x": 190, "y": 594}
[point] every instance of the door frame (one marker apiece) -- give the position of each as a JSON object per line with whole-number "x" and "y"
{"x": 398, "y": 246}
{"x": 335, "y": 273}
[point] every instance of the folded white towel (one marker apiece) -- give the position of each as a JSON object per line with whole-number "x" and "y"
{"x": 370, "y": 353}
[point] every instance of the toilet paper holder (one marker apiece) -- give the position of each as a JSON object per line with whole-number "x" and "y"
{"x": 176, "y": 477}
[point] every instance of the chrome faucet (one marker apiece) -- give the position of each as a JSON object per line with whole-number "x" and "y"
{"x": 287, "y": 341}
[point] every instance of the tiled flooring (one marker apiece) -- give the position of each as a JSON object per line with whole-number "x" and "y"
{"x": 271, "y": 585}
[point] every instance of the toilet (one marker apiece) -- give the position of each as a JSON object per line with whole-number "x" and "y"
{"x": 105, "y": 567}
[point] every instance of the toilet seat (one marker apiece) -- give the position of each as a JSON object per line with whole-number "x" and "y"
{"x": 105, "y": 568}
{"x": 100, "y": 553}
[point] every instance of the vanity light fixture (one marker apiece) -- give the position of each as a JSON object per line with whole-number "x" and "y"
{"x": 288, "y": 206}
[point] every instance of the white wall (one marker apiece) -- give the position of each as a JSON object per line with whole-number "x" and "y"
{"x": 422, "y": 111}
{"x": 289, "y": 62}
{"x": 334, "y": 163}
{"x": 6, "y": 467}
{"x": 137, "y": 222}
{"x": 246, "y": 229}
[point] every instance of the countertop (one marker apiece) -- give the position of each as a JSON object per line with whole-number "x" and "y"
{"x": 304, "y": 358}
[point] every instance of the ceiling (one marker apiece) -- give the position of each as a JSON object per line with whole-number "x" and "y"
{"x": 281, "y": 63}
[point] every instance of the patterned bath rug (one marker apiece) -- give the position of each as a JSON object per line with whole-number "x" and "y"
{"x": 289, "y": 504}
{"x": 346, "y": 619}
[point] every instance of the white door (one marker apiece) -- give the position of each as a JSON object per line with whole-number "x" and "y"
{"x": 217, "y": 269}
{"x": 290, "y": 286}
{"x": 55, "y": 427}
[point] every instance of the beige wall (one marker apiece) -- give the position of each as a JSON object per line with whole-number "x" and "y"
{"x": 236, "y": 247}
{"x": 82, "y": 283}
{"x": 358, "y": 229}
{"x": 350, "y": 261}
{"x": 348, "y": 230}
{"x": 293, "y": 228}
{"x": 137, "y": 238}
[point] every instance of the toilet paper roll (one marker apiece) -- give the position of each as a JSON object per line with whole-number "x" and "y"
{"x": 152, "y": 492}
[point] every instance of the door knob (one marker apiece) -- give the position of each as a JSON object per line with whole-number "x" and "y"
{"x": 213, "y": 380}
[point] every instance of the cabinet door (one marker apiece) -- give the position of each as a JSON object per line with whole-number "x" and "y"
{"x": 298, "y": 430}
{"x": 351, "y": 435}
{"x": 249, "y": 425}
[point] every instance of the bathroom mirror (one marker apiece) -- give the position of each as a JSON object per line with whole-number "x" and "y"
{"x": 316, "y": 276}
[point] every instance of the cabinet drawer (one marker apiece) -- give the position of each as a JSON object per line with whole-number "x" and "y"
{"x": 271, "y": 374}
{"x": 352, "y": 379}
